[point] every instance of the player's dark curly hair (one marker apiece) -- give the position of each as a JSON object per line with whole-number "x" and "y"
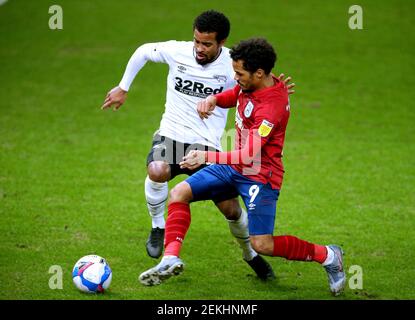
{"x": 256, "y": 53}
{"x": 213, "y": 21}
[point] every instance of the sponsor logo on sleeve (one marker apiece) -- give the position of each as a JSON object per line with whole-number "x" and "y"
{"x": 265, "y": 128}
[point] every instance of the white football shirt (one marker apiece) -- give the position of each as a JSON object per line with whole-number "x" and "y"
{"x": 187, "y": 83}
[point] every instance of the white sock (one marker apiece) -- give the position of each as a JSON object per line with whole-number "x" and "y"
{"x": 239, "y": 229}
{"x": 156, "y": 196}
{"x": 330, "y": 257}
{"x": 168, "y": 258}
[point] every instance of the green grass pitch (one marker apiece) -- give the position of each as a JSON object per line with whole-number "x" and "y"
{"x": 71, "y": 175}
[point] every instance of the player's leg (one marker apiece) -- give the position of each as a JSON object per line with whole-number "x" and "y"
{"x": 238, "y": 224}
{"x": 293, "y": 248}
{"x": 159, "y": 171}
{"x": 178, "y": 222}
{"x": 202, "y": 185}
{"x": 162, "y": 166}
{"x": 156, "y": 192}
{"x": 261, "y": 200}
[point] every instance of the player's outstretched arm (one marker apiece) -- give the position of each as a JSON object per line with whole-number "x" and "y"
{"x": 115, "y": 97}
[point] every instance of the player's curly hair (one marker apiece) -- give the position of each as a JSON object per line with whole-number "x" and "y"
{"x": 213, "y": 21}
{"x": 256, "y": 53}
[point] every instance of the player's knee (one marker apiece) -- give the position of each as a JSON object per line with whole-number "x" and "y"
{"x": 181, "y": 193}
{"x": 230, "y": 209}
{"x": 158, "y": 171}
{"x": 262, "y": 246}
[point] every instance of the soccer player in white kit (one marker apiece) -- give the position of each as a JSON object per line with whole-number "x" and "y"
{"x": 196, "y": 70}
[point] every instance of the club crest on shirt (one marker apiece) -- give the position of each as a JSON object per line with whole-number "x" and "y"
{"x": 248, "y": 109}
{"x": 265, "y": 128}
{"x": 220, "y": 77}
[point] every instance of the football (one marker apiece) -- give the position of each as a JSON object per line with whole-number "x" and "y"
{"x": 92, "y": 274}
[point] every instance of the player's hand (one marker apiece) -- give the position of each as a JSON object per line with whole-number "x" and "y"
{"x": 115, "y": 97}
{"x": 206, "y": 107}
{"x": 193, "y": 160}
{"x": 287, "y": 83}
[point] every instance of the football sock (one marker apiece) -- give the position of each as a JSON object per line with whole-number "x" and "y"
{"x": 293, "y": 248}
{"x": 178, "y": 222}
{"x": 239, "y": 229}
{"x": 320, "y": 253}
{"x": 329, "y": 257}
{"x": 173, "y": 249}
{"x": 156, "y": 196}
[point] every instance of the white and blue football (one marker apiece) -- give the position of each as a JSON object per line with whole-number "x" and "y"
{"x": 92, "y": 274}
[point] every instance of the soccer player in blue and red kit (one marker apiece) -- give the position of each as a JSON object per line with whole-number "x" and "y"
{"x": 254, "y": 170}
